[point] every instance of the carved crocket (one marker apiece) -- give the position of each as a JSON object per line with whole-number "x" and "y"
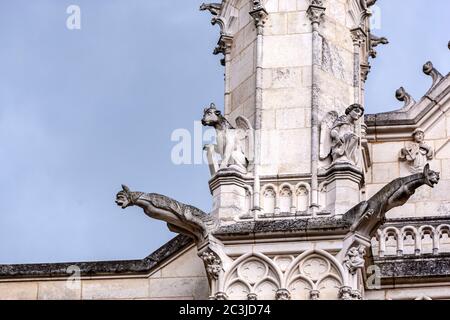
{"x": 368, "y": 216}
{"x": 180, "y": 218}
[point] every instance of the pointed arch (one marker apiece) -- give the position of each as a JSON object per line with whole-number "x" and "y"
{"x": 232, "y": 275}
{"x": 311, "y": 253}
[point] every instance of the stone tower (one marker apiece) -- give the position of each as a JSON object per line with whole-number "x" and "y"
{"x": 301, "y": 182}
{"x": 292, "y": 69}
{"x": 291, "y": 156}
{"x": 290, "y": 218}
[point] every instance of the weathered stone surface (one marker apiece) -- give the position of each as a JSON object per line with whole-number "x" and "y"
{"x": 286, "y": 225}
{"x": 397, "y": 270}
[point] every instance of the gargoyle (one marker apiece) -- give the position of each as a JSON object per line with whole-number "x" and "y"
{"x": 180, "y": 218}
{"x": 375, "y": 42}
{"x": 234, "y": 145}
{"x": 213, "y": 8}
{"x": 368, "y": 216}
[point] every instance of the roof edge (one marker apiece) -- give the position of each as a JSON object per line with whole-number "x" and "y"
{"x": 100, "y": 268}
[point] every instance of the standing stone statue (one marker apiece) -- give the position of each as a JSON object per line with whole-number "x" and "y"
{"x": 338, "y": 137}
{"x": 417, "y": 153}
{"x": 234, "y": 145}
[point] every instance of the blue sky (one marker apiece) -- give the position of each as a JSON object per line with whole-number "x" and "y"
{"x": 83, "y": 111}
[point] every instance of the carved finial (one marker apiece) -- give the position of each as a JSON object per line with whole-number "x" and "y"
{"x": 402, "y": 95}
{"x": 430, "y": 70}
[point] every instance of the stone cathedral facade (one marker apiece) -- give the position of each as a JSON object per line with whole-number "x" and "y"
{"x": 312, "y": 198}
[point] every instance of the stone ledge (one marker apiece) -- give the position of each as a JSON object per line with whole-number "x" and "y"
{"x": 396, "y": 270}
{"x": 303, "y": 225}
{"x": 53, "y": 270}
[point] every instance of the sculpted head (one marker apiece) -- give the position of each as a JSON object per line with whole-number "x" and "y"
{"x": 431, "y": 177}
{"x": 211, "y": 116}
{"x": 123, "y": 197}
{"x": 419, "y": 135}
{"x": 355, "y": 112}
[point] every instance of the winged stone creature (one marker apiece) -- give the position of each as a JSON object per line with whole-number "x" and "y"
{"x": 338, "y": 138}
{"x": 234, "y": 144}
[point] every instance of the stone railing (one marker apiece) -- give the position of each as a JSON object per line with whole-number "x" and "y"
{"x": 401, "y": 237}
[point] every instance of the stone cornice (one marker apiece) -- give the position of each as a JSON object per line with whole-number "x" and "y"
{"x": 291, "y": 227}
{"x": 399, "y": 124}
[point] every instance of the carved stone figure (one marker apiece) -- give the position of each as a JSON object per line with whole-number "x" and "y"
{"x": 180, "y": 218}
{"x": 234, "y": 145}
{"x": 212, "y": 263}
{"x": 252, "y": 297}
{"x": 213, "y": 8}
{"x": 417, "y": 153}
{"x": 338, "y": 137}
{"x": 314, "y": 294}
{"x": 282, "y": 294}
{"x": 345, "y": 293}
{"x": 375, "y": 42}
{"x": 355, "y": 259}
{"x": 368, "y": 216}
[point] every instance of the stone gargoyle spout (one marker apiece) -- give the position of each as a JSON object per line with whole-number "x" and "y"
{"x": 180, "y": 218}
{"x": 368, "y": 216}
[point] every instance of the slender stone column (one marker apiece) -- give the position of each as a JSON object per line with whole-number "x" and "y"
{"x": 315, "y": 13}
{"x": 226, "y": 43}
{"x": 358, "y": 36}
{"x": 259, "y": 14}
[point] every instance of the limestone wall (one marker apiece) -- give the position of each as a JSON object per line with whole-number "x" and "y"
{"x": 182, "y": 277}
